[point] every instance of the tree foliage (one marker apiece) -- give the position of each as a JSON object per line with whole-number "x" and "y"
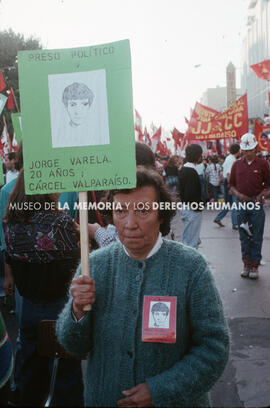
{"x": 10, "y": 44}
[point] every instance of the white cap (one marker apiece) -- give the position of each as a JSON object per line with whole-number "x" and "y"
{"x": 248, "y": 142}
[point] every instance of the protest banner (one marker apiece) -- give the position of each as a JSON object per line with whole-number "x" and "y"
{"x": 77, "y": 114}
{"x": 208, "y": 124}
{"x": 3, "y": 100}
{"x": 200, "y": 122}
{"x": 16, "y": 119}
{"x": 262, "y": 134}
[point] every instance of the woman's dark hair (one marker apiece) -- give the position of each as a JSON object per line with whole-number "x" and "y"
{"x": 147, "y": 176}
{"x": 11, "y": 156}
{"x": 214, "y": 160}
{"x": 193, "y": 153}
{"x": 160, "y": 307}
{"x": 144, "y": 155}
{"x": 234, "y": 148}
{"x": 172, "y": 161}
{"x": 19, "y": 208}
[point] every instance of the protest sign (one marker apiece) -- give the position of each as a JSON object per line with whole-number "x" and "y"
{"x": 77, "y": 113}
{"x": 3, "y": 100}
{"x": 16, "y": 119}
{"x": 78, "y": 130}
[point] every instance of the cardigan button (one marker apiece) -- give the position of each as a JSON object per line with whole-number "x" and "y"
{"x": 140, "y": 265}
{"x": 129, "y": 354}
{"x": 138, "y": 278}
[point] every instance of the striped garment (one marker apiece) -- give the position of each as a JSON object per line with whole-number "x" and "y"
{"x": 214, "y": 174}
{"x": 6, "y": 359}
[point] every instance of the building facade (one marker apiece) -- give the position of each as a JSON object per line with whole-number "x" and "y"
{"x": 255, "y": 49}
{"x": 215, "y": 98}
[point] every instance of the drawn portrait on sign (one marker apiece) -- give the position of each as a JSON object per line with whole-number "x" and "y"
{"x": 79, "y": 109}
{"x": 159, "y": 315}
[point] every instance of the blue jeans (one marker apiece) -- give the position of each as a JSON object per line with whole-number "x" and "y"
{"x": 35, "y": 371}
{"x": 214, "y": 191}
{"x": 192, "y": 227}
{"x": 228, "y": 199}
{"x": 251, "y": 247}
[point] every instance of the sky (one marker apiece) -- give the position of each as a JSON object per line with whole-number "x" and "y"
{"x": 168, "y": 39}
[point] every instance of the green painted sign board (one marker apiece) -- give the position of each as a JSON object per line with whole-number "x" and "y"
{"x": 16, "y": 119}
{"x": 77, "y": 114}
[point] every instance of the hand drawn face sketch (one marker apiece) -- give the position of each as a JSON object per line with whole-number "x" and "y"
{"x": 77, "y": 99}
{"x": 78, "y": 109}
{"x": 159, "y": 315}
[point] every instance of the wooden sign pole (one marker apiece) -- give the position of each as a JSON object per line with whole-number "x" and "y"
{"x": 84, "y": 237}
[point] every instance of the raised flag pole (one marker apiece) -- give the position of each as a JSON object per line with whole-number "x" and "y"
{"x": 15, "y": 99}
{"x": 84, "y": 238}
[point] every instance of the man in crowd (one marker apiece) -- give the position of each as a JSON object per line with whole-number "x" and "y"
{"x": 228, "y": 198}
{"x": 191, "y": 197}
{"x": 250, "y": 182}
{"x": 124, "y": 369}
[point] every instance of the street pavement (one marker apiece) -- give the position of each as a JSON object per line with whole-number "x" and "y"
{"x": 246, "y": 379}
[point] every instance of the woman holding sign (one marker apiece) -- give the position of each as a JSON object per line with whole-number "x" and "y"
{"x": 156, "y": 334}
{"x": 42, "y": 251}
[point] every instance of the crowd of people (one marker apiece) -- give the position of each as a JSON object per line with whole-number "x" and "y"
{"x": 130, "y": 361}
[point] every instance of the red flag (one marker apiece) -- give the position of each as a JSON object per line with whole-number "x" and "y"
{"x": 262, "y": 134}
{"x": 8, "y": 142}
{"x": 2, "y": 82}
{"x": 168, "y": 151}
{"x": 140, "y": 135}
{"x": 157, "y": 134}
{"x": 161, "y": 149}
{"x": 177, "y": 137}
{"x": 262, "y": 70}
{"x": 10, "y": 101}
{"x": 156, "y": 139}
{"x": 138, "y": 121}
{"x": 147, "y": 139}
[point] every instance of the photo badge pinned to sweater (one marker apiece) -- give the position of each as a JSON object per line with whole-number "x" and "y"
{"x": 159, "y": 319}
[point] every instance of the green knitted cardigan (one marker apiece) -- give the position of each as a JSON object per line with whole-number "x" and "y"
{"x": 177, "y": 375}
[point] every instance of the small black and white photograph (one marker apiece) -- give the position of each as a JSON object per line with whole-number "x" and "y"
{"x": 79, "y": 109}
{"x": 159, "y": 315}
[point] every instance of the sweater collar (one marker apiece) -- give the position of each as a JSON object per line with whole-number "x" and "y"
{"x": 190, "y": 165}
